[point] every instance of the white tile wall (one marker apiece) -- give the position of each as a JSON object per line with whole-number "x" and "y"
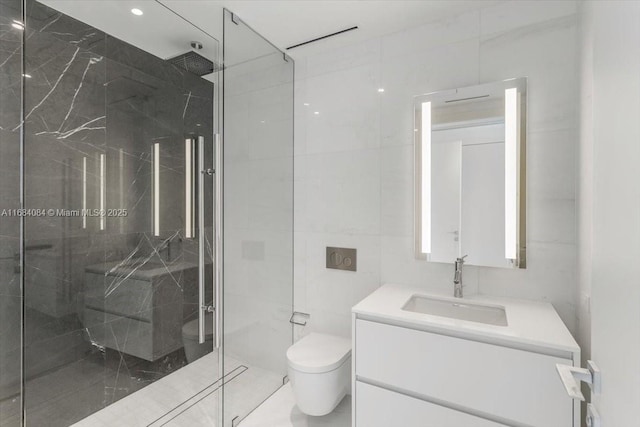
{"x": 354, "y": 160}
{"x": 609, "y": 208}
{"x": 585, "y": 173}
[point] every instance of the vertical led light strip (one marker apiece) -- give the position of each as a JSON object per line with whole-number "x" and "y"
{"x": 156, "y": 188}
{"x": 511, "y": 128}
{"x": 102, "y": 191}
{"x": 84, "y": 192}
{"x": 121, "y": 161}
{"x": 188, "y": 190}
{"x": 425, "y": 183}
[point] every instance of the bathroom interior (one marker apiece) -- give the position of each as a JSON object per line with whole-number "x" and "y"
{"x": 319, "y": 213}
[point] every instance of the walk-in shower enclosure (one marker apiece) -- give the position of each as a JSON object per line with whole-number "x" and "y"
{"x": 146, "y": 216}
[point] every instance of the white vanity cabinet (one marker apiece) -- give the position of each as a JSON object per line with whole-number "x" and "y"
{"x": 417, "y": 370}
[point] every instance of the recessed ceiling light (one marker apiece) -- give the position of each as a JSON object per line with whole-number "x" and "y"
{"x": 136, "y": 11}
{"x": 306, "y": 104}
{"x": 316, "y": 112}
{"x": 26, "y": 76}
{"x": 17, "y": 25}
{"x": 381, "y": 90}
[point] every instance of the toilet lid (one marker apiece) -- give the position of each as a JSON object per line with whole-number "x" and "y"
{"x": 317, "y": 353}
{"x": 190, "y": 329}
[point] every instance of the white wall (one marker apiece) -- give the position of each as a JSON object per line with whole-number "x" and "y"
{"x": 610, "y": 203}
{"x": 354, "y": 160}
{"x": 585, "y": 185}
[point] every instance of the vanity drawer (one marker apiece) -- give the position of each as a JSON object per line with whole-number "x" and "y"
{"x": 124, "y": 334}
{"x": 510, "y": 384}
{"x": 142, "y": 339}
{"x": 379, "y": 407}
{"x": 125, "y": 296}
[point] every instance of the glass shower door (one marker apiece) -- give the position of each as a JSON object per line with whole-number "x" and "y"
{"x": 11, "y": 84}
{"x": 119, "y": 143}
{"x": 258, "y": 218}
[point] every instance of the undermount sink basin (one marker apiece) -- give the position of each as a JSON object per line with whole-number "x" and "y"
{"x": 463, "y": 310}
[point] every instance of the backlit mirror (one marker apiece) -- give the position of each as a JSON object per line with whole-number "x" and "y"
{"x": 470, "y": 167}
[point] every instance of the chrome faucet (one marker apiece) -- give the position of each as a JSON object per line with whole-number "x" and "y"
{"x": 457, "y": 277}
{"x": 165, "y": 246}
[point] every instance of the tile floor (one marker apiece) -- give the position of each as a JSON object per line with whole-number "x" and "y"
{"x": 243, "y": 393}
{"x": 280, "y": 411}
{"x": 189, "y": 397}
{"x": 65, "y": 395}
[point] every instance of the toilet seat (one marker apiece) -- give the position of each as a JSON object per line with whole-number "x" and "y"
{"x": 318, "y": 353}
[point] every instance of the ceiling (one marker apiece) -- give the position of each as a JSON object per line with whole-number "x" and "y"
{"x": 289, "y": 22}
{"x": 283, "y": 22}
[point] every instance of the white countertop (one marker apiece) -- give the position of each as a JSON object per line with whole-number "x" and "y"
{"x": 139, "y": 268}
{"x": 530, "y": 323}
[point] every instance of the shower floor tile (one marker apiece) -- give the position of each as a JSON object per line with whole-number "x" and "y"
{"x": 189, "y": 397}
{"x": 242, "y": 394}
{"x": 148, "y": 405}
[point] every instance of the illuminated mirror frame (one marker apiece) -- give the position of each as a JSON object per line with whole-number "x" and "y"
{"x": 515, "y": 113}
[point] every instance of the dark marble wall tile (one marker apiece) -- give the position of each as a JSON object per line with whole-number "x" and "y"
{"x": 55, "y": 25}
{"x": 65, "y": 96}
{"x": 94, "y": 108}
{"x": 11, "y": 9}
{"x": 10, "y": 292}
{"x": 10, "y": 71}
{"x": 135, "y": 58}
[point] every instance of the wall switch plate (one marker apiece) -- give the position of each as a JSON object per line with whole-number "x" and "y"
{"x": 342, "y": 258}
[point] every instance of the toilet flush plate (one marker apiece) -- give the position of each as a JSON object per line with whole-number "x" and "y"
{"x": 342, "y": 258}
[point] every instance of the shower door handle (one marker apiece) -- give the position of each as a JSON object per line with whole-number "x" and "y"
{"x": 201, "y": 237}
{"x": 217, "y": 247}
{"x": 218, "y": 254}
{"x": 203, "y": 307}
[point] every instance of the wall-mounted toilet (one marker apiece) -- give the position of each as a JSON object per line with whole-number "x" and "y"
{"x": 192, "y": 348}
{"x": 319, "y": 367}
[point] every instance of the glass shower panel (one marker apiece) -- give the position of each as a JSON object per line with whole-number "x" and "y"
{"x": 64, "y": 157}
{"x": 10, "y": 289}
{"x": 258, "y": 217}
{"x": 112, "y": 264}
